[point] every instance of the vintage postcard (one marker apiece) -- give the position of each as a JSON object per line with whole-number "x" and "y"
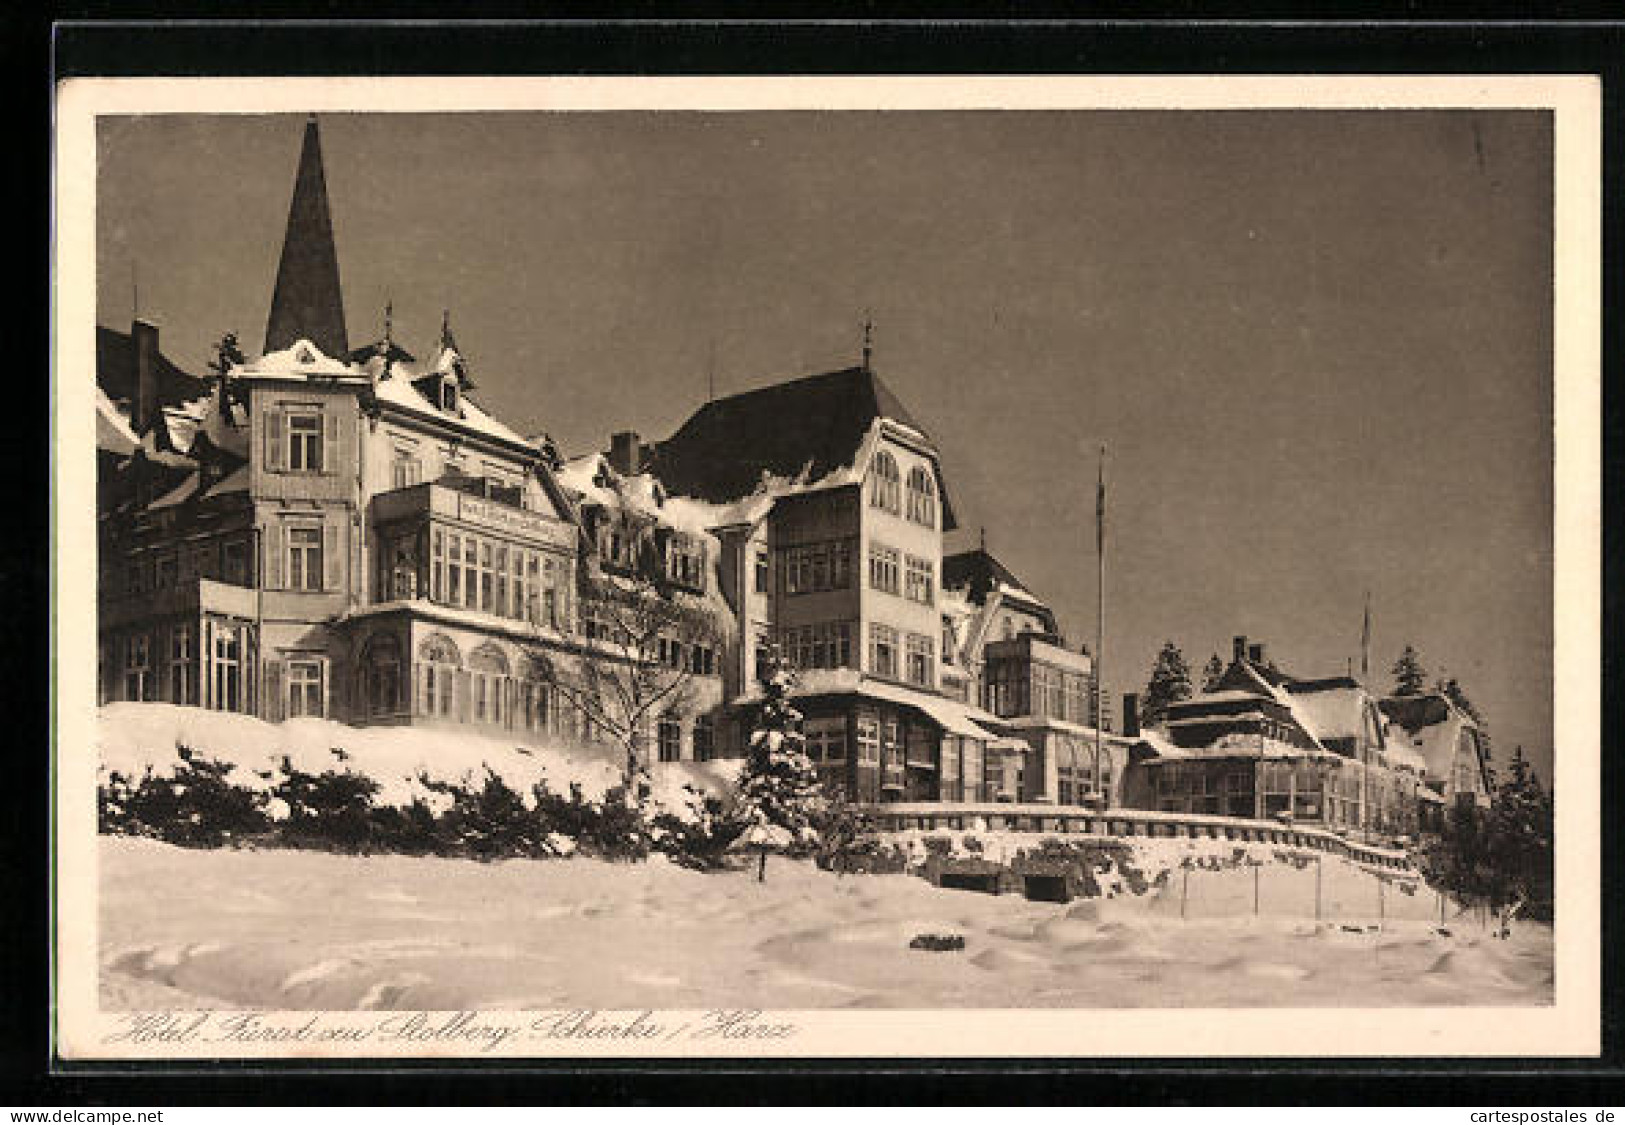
{"x": 1085, "y": 567}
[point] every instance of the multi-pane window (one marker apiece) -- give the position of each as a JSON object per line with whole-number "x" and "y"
{"x": 814, "y": 567}
{"x": 227, "y": 669}
{"x": 922, "y": 497}
{"x": 868, "y": 731}
{"x": 883, "y": 650}
{"x": 919, "y": 582}
{"x": 304, "y": 680}
{"x": 705, "y": 739}
{"x": 182, "y": 665}
{"x": 921, "y": 658}
{"x": 949, "y": 643}
{"x": 305, "y": 443}
{"x": 827, "y": 644}
{"x": 685, "y": 561}
{"x": 164, "y": 573}
{"x": 883, "y": 568}
{"x": 138, "y": 667}
{"x": 304, "y": 558}
{"x": 826, "y": 740}
{"x": 669, "y": 738}
{"x": 883, "y": 483}
{"x": 486, "y": 577}
{"x": 763, "y": 570}
{"x": 407, "y": 470}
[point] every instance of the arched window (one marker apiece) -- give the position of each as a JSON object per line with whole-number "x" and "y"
{"x": 537, "y": 707}
{"x": 381, "y": 672}
{"x": 489, "y": 668}
{"x": 922, "y": 497}
{"x": 883, "y": 482}
{"x": 438, "y": 662}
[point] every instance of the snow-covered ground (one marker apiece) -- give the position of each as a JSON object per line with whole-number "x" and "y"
{"x": 289, "y": 929}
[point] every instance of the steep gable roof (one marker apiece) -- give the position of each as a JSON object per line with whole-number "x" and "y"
{"x": 814, "y": 426}
{"x": 115, "y": 371}
{"x": 979, "y": 573}
{"x": 307, "y": 302}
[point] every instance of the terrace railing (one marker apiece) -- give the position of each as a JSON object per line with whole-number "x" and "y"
{"x": 1056, "y": 820}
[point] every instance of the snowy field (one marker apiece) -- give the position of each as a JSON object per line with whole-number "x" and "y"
{"x": 306, "y": 930}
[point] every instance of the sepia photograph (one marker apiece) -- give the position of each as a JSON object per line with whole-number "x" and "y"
{"x": 729, "y": 567}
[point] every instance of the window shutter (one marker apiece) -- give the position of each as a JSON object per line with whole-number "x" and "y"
{"x": 326, "y": 707}
{"x": 332, "y": 563}
{"x": 331, "y": 458}
{"x": 274, "y": 557}
{"x": 275, "y": 443}
{"x": 464, "y": 692}
{"x": 275, "y": 711}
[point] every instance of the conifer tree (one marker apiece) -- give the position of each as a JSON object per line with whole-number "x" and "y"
{"x": 1409, "y": 678}
{"x": 1170, "y": 682}
{"x": 780, "y": 798}
{"x": 1212, "y": 672}
{"x": 1521, "y": 825}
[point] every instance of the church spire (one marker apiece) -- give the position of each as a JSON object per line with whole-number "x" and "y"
{"x": 307, "y": 303}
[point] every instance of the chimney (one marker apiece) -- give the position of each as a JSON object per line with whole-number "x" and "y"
{"x": 144, "y": 401}
{"x": 626, "y": 453}
{"x": 1239, "y": 648}
{"x": 1255, "y": 653}
{"x": 1131, "y": 714}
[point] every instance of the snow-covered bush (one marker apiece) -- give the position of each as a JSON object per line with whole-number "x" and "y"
{"x": 489, "y": 820}
{"x": 194, "y": 807}
{"x": 702, "y": 839}
{"x": 413, "y": 792}
{"x": 333, "y": 809}
{"x": 614, "y": 828}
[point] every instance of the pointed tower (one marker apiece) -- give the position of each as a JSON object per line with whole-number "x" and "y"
{"x": 307, "y": 303}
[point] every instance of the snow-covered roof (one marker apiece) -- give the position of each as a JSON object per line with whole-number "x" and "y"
{"x": 398, "y": 390}
{"x": 180, "y": 493}
{"x": 113, "y": 432}
{"x": 953, "y": 716}
{"x": 813, "y": 432}
{"x": 1045, "y": 722}
{"x": 299, "y": 360}
{"x": 591, "y": 478}
{"x": 1403, "y": 755}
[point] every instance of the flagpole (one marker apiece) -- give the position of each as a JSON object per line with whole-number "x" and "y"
{"x": 1100, "y": 616}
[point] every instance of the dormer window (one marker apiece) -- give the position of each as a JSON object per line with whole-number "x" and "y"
{"x": 448, "y": 395}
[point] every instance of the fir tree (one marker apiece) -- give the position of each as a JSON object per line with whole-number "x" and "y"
{"x": 1170, "y": 682}
{"x": 1521, "y": 825}
{"x": 1498, "y": 858}
{"x": 1212, "y": 673}
{"x": 780, "y": 799}
{"x": 1409, "y": 678}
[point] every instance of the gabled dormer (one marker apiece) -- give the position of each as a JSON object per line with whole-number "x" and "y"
{"x": 447, "y": 377}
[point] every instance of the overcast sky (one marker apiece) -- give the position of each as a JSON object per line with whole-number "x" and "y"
{"x": 1317, "y": 345}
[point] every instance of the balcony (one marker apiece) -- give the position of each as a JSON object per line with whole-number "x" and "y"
{"x": 440, "y": 501}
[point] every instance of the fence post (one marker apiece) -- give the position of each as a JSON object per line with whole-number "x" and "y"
{"x": 1184, "y": 890}
{"x": 1380, "y": 914}
{"x": 1256, "y": 869}
{"x": 1317, "y": 888}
